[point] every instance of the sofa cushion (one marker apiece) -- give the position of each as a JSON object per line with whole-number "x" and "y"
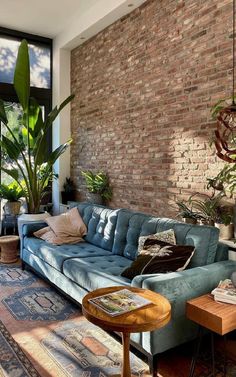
{"x": 101, "y": 224}
{"x": 56, "y": 255}
{"x": 96, "y": 272}
{"x": 163, "y": 259}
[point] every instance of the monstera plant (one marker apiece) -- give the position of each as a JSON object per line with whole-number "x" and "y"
{"x": 28, "y": 160}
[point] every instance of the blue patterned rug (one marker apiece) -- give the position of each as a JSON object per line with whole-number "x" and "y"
{"x": 54, "y": 335}
{"x": 13, "y": 362}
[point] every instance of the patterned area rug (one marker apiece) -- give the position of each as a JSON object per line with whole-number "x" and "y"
{"x": 50, "y": 337}
{"x": 13, "y": 362}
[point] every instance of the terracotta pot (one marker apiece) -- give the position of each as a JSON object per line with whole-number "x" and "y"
{"x": 12, "y": 208}
{"x": 226, "y": 231}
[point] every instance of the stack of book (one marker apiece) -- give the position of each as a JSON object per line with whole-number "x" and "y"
{"x": 225, "y": 292}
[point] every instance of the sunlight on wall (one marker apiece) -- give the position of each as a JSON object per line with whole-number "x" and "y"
{"x": 39, "y": 63}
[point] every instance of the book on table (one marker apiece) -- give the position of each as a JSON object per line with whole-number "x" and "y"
{"x": 225, "y": 292}
{"x": 119, "y": 302}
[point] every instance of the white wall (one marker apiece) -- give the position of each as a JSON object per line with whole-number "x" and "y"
{"x": 83, "y": 25}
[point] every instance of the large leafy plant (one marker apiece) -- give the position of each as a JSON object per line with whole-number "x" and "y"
{"x": 28, "y": 161}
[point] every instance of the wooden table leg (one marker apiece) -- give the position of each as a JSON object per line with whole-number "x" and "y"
{"x": 126, "y": 371}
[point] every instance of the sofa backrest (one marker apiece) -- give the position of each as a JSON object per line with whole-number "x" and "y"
{"x": 100, "y": 222}
{"x": 119, "y": 230}
{"x": 131, "y": 225}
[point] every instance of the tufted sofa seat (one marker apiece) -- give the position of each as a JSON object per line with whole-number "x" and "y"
{"x": 111, "y": 245}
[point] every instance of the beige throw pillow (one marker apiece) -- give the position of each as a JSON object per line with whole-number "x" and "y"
{"x": 63, "y": 229}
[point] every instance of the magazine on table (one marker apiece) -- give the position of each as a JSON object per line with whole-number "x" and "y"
{"x": 225, "y": 292}
{"x": 119, "y": 302}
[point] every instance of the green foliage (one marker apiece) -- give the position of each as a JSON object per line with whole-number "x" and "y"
{"x": 185, "y": 210}
{"x": 98, "y": 183}
{"x": 28, "y": 160}
{"x": 210, "y": 208}
{"x": 69, "y": 185}
{"x": 11, "y": 192}
{"x": 225, "y": 180}
{"x": 220, "y": 105}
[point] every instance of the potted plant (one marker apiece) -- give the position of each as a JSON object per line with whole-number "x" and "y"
{"x": 12, "y": 193}
{"x": 206, "y": 207}
{"x": 29, "y": 162}
{"x": 186, "y": 212}
{"x": 69, "y": 192}
{"x": 98, "y": 187}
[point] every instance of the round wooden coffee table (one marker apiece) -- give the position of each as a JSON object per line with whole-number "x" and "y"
{"x": 148, "y": 318}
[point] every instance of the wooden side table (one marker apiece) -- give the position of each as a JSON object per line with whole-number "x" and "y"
{"x": 9, "y": 249}
{"x": 148, "y": 318}
{"x": 216, "y": 316}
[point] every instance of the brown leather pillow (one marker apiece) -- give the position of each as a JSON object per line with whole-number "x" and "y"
{"x": 168, "y": 258}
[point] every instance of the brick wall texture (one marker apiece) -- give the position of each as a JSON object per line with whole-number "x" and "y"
{"x": 143, "y": 90}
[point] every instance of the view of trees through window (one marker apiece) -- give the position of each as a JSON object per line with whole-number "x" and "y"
{"x": 40, "y": 50}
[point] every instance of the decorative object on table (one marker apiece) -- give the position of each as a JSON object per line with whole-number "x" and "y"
{"x": 12, "y": 193}
{"x": 69, "y": 192}
{"x": 119, "y": 302}
{"x": 9, "y": 249}
{"x": 30, "y": 163}
{"x": 98, "y": 187}
{"x": 225, "y": 292}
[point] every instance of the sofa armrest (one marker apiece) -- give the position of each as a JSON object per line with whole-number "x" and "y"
{"x": 29, "y": 228}
{"x": 187, "y": 284}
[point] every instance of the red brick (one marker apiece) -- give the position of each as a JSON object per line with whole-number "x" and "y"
{"x": 143, "y": 90}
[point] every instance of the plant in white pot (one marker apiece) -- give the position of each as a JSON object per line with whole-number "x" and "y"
{"x": 28, "y": 161}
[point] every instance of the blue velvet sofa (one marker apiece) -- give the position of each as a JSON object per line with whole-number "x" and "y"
{"x": 111, "y": 245}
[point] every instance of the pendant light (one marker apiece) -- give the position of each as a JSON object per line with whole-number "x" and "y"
{"x": 225, "y": 133}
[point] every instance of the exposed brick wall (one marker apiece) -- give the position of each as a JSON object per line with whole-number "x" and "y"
{"x": 143, "y": 91}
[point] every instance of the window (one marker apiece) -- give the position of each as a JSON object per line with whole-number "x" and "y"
{"x": 40, "y": 51}
{"x": 39, "y": 62}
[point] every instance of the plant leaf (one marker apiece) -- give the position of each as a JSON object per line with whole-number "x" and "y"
{"x": 10, "y": 147}
{"x": 22, "y": 75}
{"x": 58, "y": 151}
{"x": 3, "y": 116}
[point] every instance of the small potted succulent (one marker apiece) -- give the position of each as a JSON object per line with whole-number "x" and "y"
{"x": 69, "y": 192}
{"x": 12, "y": 193}
{"x": 98, "y": 187}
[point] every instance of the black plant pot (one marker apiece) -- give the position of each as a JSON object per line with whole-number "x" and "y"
{"x": 68, "y": 196}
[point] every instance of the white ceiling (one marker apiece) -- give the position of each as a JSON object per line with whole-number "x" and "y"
{"x": 49, "y": 18}
{"x": 44, "y": 17}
